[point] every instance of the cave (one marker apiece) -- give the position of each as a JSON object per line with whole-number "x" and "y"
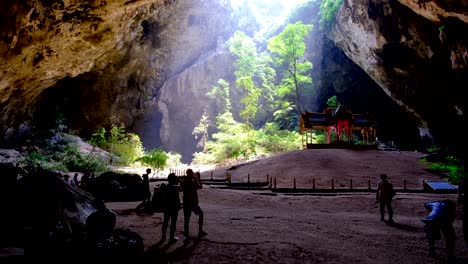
{"x": 216, "y": 86}
{"x": 97, "y": 78}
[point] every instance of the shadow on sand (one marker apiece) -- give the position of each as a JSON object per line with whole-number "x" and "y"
{"x": 159, "y": 252}
{"x": 404, "y": 227}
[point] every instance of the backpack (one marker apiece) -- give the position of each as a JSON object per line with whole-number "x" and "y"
{"x": 159, "y": 198}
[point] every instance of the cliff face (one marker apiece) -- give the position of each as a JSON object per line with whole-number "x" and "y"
{"x": 181, "y": 102}
{"x": 149, "y": 63}
{"x": 335, "y": 73}
{"x": 416, "y": 50}
{"x": 84, "y": 62}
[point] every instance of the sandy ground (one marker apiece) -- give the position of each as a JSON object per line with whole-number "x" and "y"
{"x": 260, "y": 227}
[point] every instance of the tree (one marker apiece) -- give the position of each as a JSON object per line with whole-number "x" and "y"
{"x": 328, "y": 9}
{"x": 229, "y": 142}
{"x": 286, "y": 117}
{"x": 156, "y": 159}
{"x": 243, "y": 47}
{"x": 123, "y": 146}
{"x": 220, "y": 95}
{"x": 266, "y": 75}
{"x": 289, "y": 46}
{"x": 202, "y": 130}
{"x": 333, "y": 102}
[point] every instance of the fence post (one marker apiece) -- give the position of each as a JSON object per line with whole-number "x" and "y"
{"x": 350, "y": 184}
{"x": 211, "y": 175}
{"x": 294, "y": 184}
{"x": 248, "y": 177}
{"x": 228, "y": 177}
{"x": 368, "y": 184}
{"x": 424, "y": 182}
{"x": 404, "y": 184}
{"x": 313, "y": 183}
{"x": 271, "y": 183}
{"x": 267, "y": 178}
{"x": 333, "y": 184}
{"x": 274, "y": 184}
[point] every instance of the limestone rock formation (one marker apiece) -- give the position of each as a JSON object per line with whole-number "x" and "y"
{"x": 149, "y": 63}
{"x": 181, "y": 103}
{"x": 416, "y": 50}
{"x": 86, "y": 61}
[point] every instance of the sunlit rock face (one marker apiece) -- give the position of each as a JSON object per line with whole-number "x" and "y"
{"x": 181, "y": 103}
{"x": 84, "y": 62}
{"x": 416, "y": 50}
{"x": 149, "y": 63}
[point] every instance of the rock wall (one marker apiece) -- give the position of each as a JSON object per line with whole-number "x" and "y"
{"x": 181, "y": 103}
{"x": 149, "y": 63}
{"x": 83, "y": 62}
{"x": 336, "y": 74}
{"x": 417, "y": 52}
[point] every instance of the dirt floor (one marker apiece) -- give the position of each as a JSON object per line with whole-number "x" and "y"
{"x": 246, "y": 226}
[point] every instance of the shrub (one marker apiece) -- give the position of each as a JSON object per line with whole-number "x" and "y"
{"x": 35, "y": 160}
{"x": 74, "y": 160}
{"x": 452, "y": 166}
{"x": 202, "y": 158}
{"x": 156, "y": 159}
{"x": 319, "y": 137}
{"x": 174, "y": 159}
{"x": 273, "y": 140}
{"x": 124, "y": 147}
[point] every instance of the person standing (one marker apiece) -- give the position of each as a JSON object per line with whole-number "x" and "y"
{"x": 146, "y": 191}
{"x": 190, "y": 186}
{"x": 171, "y": 207}
{"x": 384, "y": 196}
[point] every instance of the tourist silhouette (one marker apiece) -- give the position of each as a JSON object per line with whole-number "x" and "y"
{"x": 171, "y": 206}
{"x": 384, "y": 196}
{"x": 190, "y": 199}
{"x": 145, "y": 190}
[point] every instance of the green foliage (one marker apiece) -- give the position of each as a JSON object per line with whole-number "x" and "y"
{"x": 250, "y": 100}
{"x": 327, "y": 13}
{"x": 266, "y": 75}
{"x": 220, "y": 95}
{"x": 35, "y": 160}
{"x": 63, "y": 155}
{"x": 271, "y": 139}
{"x": 243, "y": 47}
{"x": 124, "y": 147}
{"x": 74, "y": 160}
{"x": 333, "y": 102}
{"x": 230, "y": 142}
{"x": 98, "y": 138}
{"x": 254, "y": 76}
{"x": 156, "y": 159}
{"x": 452, "y": 166}
{"x": 173, "y": 159}
{"x": 434, "y": 149}
{"x": 286, "y": 116}
{"x": 319, "y": 137}
{"x": 289, "y": 46}
{"x": 202, "y": 130}
{"x": 128, "y": 149}
{"x": 202, "y": 158}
